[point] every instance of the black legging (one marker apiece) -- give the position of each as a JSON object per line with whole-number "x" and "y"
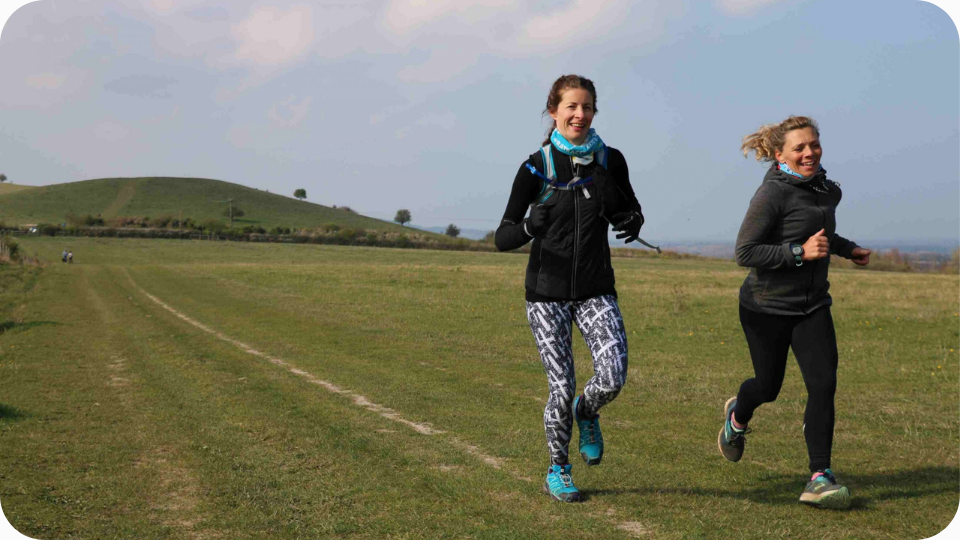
{"x": 814, "y": 344}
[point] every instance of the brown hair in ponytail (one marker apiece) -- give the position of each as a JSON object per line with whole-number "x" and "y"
{"x": 555, "y": 96}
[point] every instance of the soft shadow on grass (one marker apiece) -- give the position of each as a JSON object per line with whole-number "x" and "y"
{"x": 778, "y": 491}
{"x": 907, "y": 484}
{"x": 6, "y": 326}
{"x": 8, "y": 412}
{"x": 782, "y": 490}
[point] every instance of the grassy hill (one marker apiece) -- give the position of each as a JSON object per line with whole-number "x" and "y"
{"x": 196, "y": 198}
{"x": 12, "y": 188}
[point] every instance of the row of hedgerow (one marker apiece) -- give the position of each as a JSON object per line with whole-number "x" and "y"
{"x": 327, "y": 234}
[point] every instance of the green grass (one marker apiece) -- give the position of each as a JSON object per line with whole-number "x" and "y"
{"x": 196, "y": 198}
{"x": 12, "y": 188}
{"x": 120, "y": 419}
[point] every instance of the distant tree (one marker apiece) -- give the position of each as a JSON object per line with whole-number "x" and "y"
{"x": 452, "y": 230}
{"x": 233, "y": 212}
{"x": 403, "y": 216}
{"x": 212, "y": 226}
{"x": 3, "y": 178}
{"x": 490, "y": 237}
{"x": 300, "y": 194}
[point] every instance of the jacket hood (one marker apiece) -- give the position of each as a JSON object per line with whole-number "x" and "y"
{"x": 774, "y": 173}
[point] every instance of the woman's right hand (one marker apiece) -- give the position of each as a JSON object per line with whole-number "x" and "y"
{"x": 817, "y": 246}
{"x": 537, "y": 222}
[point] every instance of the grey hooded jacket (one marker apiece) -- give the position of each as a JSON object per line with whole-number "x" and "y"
{"x": 788, "y": 210}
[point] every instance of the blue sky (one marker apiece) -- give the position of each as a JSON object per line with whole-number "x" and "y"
{"x": 432, "y": 106}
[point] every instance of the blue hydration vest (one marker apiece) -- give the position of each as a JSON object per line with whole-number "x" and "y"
{"x": 549, "y": 176}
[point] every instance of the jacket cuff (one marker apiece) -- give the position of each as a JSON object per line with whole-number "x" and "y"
{"x": 788, "y": 255}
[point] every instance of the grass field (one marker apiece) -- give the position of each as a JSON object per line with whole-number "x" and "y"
{"x": 176, "y": 389}
{"x": 12, "y": 188}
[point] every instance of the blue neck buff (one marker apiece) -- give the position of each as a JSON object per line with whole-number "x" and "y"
{"x": 786, "y": 168}
{"x": 589, "y": 146}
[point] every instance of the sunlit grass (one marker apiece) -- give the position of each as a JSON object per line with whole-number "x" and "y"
{"x": 131, "y": 422}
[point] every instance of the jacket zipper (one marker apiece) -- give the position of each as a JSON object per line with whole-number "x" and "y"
{"x": 576, "y": 243}
{"x": 823, "y": 225}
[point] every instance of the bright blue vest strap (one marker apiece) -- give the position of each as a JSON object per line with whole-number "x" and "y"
{"x": 602, "y": 156}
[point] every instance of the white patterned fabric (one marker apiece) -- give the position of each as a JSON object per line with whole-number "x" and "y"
{"x": 601, "y": 324}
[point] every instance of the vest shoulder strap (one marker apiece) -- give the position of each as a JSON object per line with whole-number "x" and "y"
{"x": 548, "y": 169}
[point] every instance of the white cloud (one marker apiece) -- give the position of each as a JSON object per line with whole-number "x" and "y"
{"x": 289, "y": 112}
{"x": 241, "y": 136}
{"x": 162, "y": 5}
{"x": 46, "y": 81}
{"x": 433, "y": 121}
{"x": 402, "y": 17}
{"x": 456, "y": 34}
{"x": 44, "y": 90}
{"x": 743, "y": 7}
{"x": 580, "y": 21}
{"x": 442, "y": 63}
{"x": 272, "y": 36}
{"x": 168, "y": 7}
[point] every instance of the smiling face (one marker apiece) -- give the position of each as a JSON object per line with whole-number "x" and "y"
{"x": 574, "y": 114}
{"x": 801, "y": 151}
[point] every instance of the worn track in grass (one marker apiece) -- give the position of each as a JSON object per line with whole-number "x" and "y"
{"x": 176, "y": 389}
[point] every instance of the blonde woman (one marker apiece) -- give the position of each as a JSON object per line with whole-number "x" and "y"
{"x": 786, "y": 240}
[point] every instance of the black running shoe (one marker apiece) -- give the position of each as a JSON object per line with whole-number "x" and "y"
{"x": 731, "y": 439}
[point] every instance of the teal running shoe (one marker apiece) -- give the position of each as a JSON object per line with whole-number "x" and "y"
{"x": 824, "y": 492}
{"x": 591, "y": 439}
{"x": 559, "y": 484}
{"x": 730, "y": 439}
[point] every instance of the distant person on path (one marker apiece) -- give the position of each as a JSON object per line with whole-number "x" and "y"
{"x": 572, "y": 188}
{"x": 70, "y": 257}
{"x": 64, "y": 257}
{"x": 786, "y": 239}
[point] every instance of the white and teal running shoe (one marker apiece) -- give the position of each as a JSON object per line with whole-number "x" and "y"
{"x": 591, "y": 439}
{"x": 825, "y": 492}
{"x": 559, "y": 484}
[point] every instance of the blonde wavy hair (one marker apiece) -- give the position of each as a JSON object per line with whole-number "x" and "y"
{"x": 769, "y": 139}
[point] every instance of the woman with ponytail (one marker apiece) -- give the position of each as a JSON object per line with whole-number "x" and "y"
{"x": 786, "y": 240}
{"x": 573, "y": 187}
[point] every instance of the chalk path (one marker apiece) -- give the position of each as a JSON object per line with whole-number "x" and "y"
{"x": 632, "y": 528}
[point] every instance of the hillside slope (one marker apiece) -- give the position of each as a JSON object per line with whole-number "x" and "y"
{"x": 13, "y": 188}
{"x": 197, "y": 198}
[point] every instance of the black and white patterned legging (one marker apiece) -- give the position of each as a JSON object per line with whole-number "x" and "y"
{"x": 600, "y": 323}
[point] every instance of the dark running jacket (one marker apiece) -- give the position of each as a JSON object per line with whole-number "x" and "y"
{"x": 788, "y": 210}
{"x": 572, "y": 260}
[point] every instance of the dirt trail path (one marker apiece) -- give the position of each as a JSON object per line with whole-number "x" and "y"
{"x": 124, "y": 196}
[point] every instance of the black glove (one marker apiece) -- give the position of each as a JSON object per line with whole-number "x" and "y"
{"x": 611, "y": 198}
{"x": 536, "y": 224}
{"x": 628, "y": 224}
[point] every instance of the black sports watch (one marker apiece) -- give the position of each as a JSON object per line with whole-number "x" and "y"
{"x": 797, "y": 251}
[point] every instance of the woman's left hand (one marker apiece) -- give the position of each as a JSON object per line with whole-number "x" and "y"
{"x": 860, "y": 256}
{"x": 628, "y": 225}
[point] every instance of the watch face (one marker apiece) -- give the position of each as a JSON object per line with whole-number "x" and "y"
{"x": 797, "y": 250}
